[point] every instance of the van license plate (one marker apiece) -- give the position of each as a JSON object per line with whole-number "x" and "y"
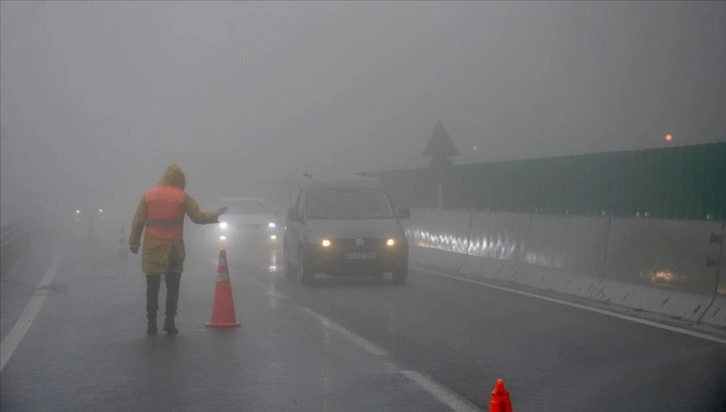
{"x": 360, "y": 255}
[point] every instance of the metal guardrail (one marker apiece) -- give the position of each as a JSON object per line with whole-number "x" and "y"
{"x": 14, "y": 239}
{"x": 10, "y": 232}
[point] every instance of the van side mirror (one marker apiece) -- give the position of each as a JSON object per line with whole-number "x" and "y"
{"x": 292, "y": 215}
{"x": 404, "y": 213}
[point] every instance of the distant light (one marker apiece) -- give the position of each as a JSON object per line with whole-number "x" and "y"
{"x": 390, "y": 242}
{"x": 475, "y": 148}
{"x": 223, "y": 238}
{"x": 668, "y": 137}
{"x": 100, "y": 210}
{"x": 273, "y": 237}
{"x": 223, "y": 225}
{"x": 325, "y": 243}
{"x": 272, "y": 225}
{"x": 78, "y": 212}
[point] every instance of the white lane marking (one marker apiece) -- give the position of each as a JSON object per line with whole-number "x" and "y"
{"x": 364, "y": 343}
{"x": 605, "y": 312}
{"x": 21, "y": 327}
{"x": 440, "y": 392}
{"x": 268, "y": 289}
{"x": 437, "y": 390}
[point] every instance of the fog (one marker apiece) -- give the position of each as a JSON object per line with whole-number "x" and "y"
{"x": 97, "y": 98}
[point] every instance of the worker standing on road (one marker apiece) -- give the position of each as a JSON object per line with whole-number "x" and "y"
{"x": 161, "y": 214}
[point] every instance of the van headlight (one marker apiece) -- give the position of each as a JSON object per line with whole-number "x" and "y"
{"x": 320, "y": 241}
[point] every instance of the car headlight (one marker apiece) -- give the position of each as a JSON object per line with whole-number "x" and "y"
{"x": 319, "y": 240}
{"x": 272, "y": 225}
{"x": 223, "y": 225}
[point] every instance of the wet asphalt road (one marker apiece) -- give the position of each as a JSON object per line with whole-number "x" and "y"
{"x": 342, "y": 345}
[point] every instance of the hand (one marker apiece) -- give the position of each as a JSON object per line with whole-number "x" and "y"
{"x": 134, "y": 249}
{"x": 222, "y": 210}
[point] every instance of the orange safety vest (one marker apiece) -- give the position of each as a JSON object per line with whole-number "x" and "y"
{"x": 165, "y": 212}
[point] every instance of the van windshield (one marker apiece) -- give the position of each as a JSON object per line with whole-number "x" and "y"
{"x": 246, "y": 207}
{"x": 349, "y": 204}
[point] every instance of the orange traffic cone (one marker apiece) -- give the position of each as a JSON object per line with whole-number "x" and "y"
{"x": 223, "y": 308}
{"x": 500, "y": 399}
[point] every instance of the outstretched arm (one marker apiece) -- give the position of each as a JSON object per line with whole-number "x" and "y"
{"x": 137, "y": 225}
{"x": 191, "y": 208}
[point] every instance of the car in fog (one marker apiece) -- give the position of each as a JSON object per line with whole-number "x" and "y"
{"x": 344, "y": 227}
{"x": 90, "y": 221}
{"x": 249, "y": 221}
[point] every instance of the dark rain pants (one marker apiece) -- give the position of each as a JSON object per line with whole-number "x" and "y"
{"x": 153, "y": 283}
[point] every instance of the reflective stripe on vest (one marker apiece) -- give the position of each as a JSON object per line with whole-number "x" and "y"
{"x": 165, "y": 223}
{"x": 165, "y": 212}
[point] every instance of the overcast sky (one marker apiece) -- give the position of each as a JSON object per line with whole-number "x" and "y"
{"x": 96, "y": 98}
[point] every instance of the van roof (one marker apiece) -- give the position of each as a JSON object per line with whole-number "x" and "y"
{"x": 352, "y": 182}
{"x": 242, "y": 199}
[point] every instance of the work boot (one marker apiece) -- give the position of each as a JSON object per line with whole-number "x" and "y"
{"x": 169, "y": 326}
{"x": 151, "y": 325}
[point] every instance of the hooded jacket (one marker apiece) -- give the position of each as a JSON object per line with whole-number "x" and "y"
{"x": 158, "y": 255}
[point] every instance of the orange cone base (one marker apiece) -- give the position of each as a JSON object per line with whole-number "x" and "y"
{"x": 223, "y": 325}
{"x": 223, "y": 309}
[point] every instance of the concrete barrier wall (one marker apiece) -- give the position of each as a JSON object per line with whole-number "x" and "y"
{"x": 438, "y": 237}
{"x": 565, "y": 254}
{"x": 496, "y": 244}
{"x": 660, "y": 266}
{"x": 716, "y": 314}
{"x": 652, "y": 265}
